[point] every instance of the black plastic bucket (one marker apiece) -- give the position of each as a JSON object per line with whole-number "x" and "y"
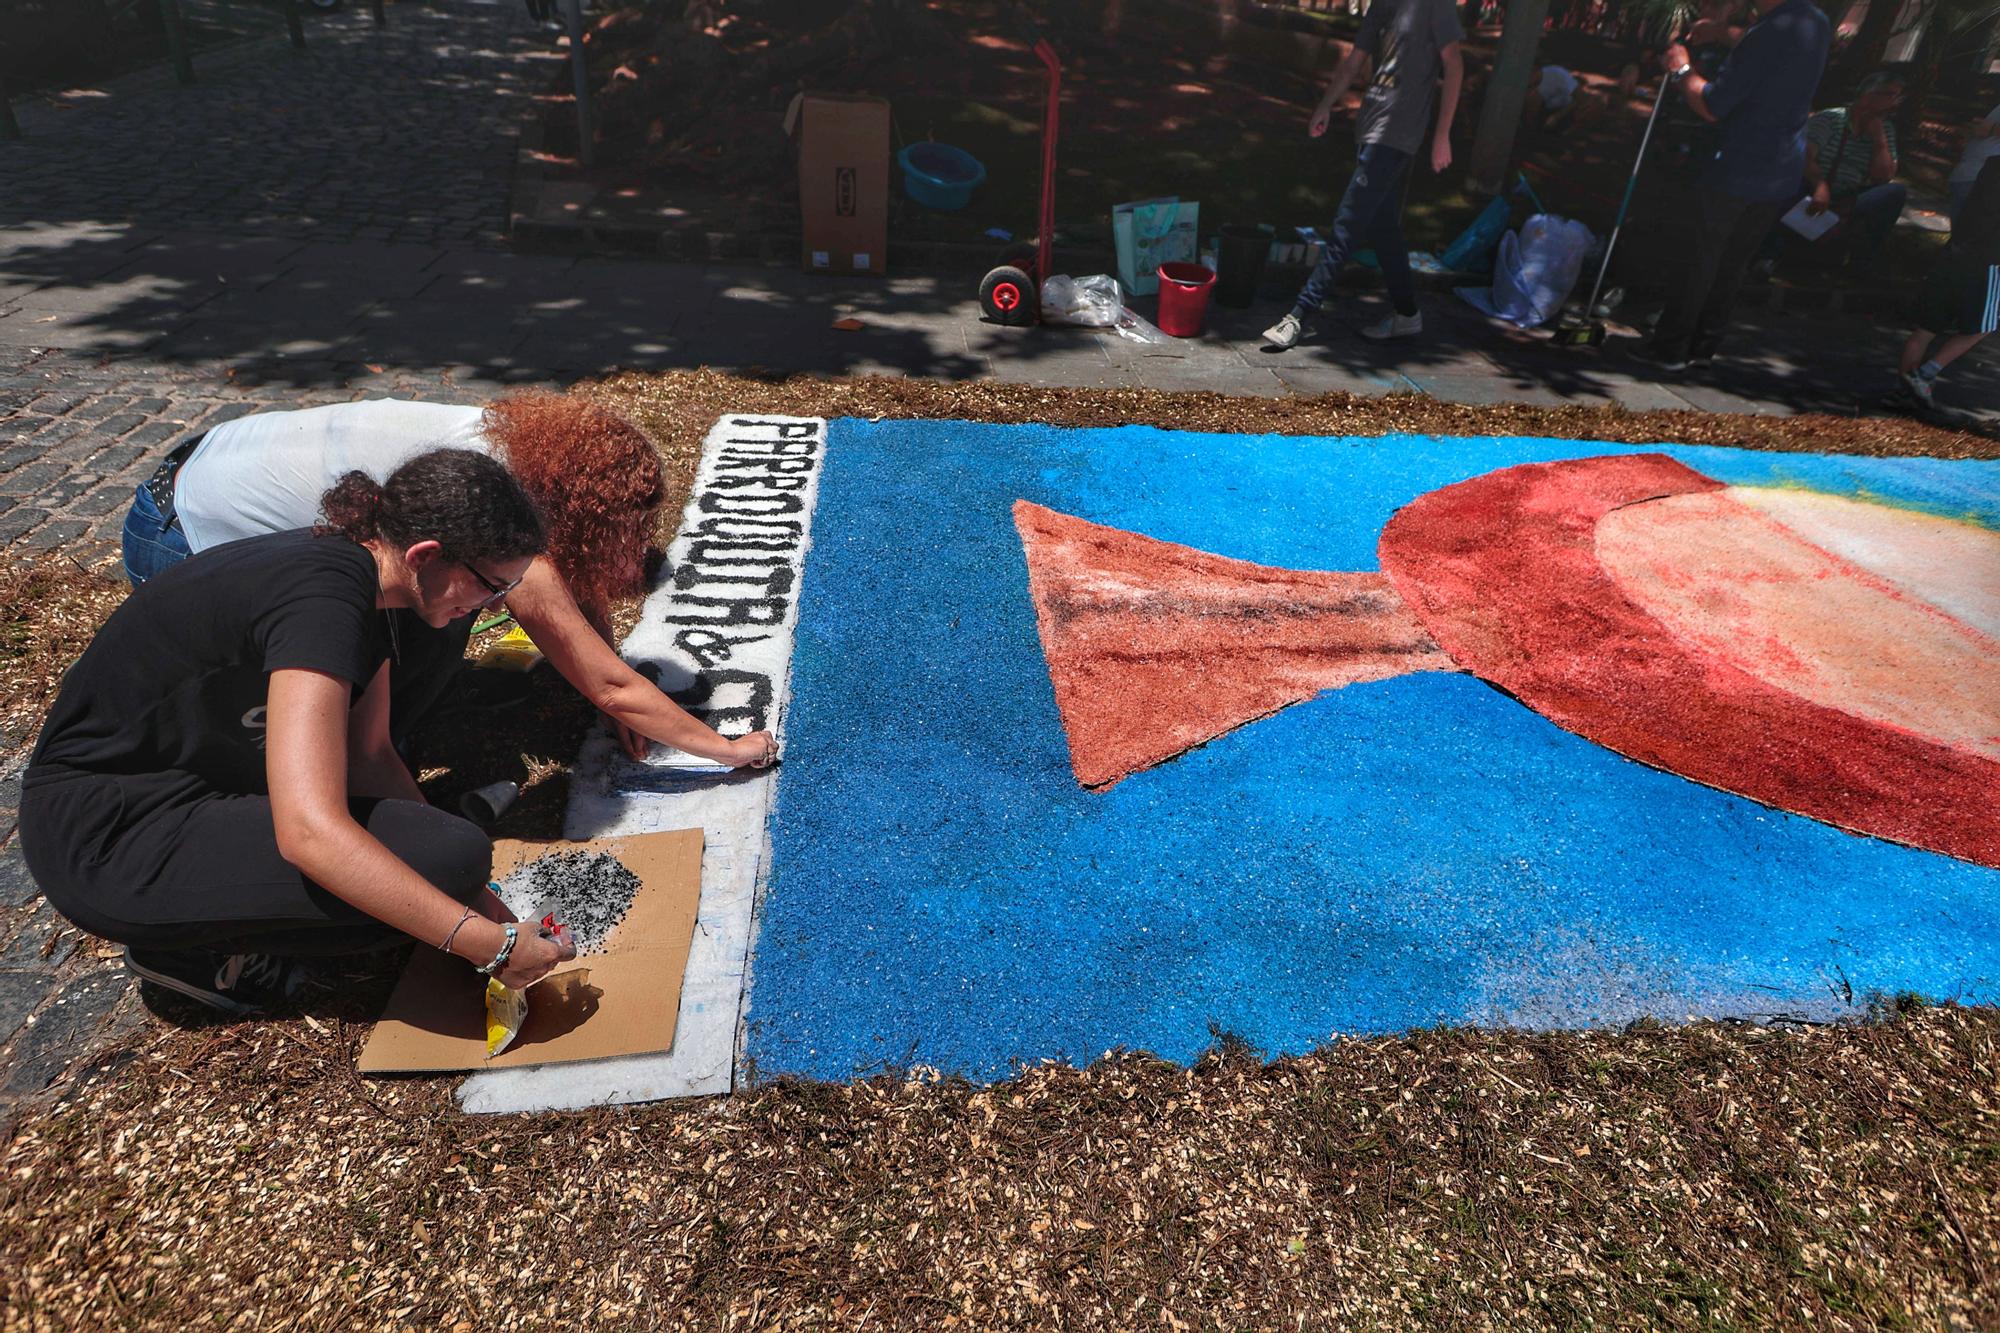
{"x": 1240, "y": 253}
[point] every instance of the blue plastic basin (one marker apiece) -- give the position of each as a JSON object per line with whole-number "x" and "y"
{"x": 939, "y": 176}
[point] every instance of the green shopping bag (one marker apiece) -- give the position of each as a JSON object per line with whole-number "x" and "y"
{"x": 1152, "y": 232}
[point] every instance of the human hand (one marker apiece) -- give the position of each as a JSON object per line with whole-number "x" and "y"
{"x": 757, "y": 750}
{"x": 1673, "y": 58}
{"x": 488, "y": 905}
{"x": 1322, "y": 117}
{"x": 634, "y": 744}
{"x": 1822, "y": 198}
{"x": 1440, "y": 155}
{"x": 534, "y": 957}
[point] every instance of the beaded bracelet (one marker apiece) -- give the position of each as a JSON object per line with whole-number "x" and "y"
{"x": 506, "y": 952}
{"x": 446, "y": 946}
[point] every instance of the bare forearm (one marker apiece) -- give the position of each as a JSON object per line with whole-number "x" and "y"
{"x": 1344, "y": 75}
{"x": 1454, "y": 82}
{"x": 347, "y": 861}
{"x": 382, "y": 774}
{"x": 1693, "y": 91}
{"x": 639, "y": 704}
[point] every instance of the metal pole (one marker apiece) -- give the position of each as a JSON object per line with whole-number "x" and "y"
{"x": 298, "y": 29}
{"x": 10, "y": 128}
{"x": 170, "y": 19}
{"x": 586, "y": 151}
{"x": 381, "y": 19}
{"x": 1611, "y": 245}
{"x": 1506, "y": 93}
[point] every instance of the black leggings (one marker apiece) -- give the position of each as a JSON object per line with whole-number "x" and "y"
{"x": 159, "y": 861}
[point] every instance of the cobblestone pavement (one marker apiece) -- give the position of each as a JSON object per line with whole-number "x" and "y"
{"x": 405, "y": 133}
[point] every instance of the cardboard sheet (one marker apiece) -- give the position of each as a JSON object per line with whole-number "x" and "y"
{"x": 624, "y": 1001}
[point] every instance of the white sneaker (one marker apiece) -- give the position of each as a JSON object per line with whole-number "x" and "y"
{"x": 1920, "y": 389}
{"x": 1393, "y": 325}
{"x": 1285, "y": 333}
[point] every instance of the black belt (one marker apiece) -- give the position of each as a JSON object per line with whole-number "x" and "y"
{"x": 161, "y": 484}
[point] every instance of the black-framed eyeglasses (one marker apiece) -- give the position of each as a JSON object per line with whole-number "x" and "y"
{"x": 496, "y": 592}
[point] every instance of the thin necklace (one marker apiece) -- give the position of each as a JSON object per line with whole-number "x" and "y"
{"x": 395, "y": 644}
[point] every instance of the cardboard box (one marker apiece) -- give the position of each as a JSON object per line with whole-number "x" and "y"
{"x": 623, "y": 1001}
{"x": 843, "y": 145}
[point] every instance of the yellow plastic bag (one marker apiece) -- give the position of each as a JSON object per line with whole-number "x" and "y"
{"x": 506, "y": 1010}
{"x": 512, "y": 651}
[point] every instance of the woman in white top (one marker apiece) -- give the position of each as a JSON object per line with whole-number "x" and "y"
{"x": 595, "y": 477}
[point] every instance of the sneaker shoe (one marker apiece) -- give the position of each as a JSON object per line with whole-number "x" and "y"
{"x": 1393, "y": 325}
{"x": 1701, "y": 354}
{"x": 238, "y": 984}
{"x": 1671, "y": 362}
{"x": 1285, "y": 333}
{"x": 1919, "y": 388}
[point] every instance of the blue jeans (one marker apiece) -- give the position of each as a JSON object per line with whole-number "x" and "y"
{"x": 151, "y": 544}
{"x": 1371, "y": 214}
{"x": 1873, "y": 217}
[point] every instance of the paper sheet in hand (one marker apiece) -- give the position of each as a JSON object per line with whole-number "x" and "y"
{"x": 1809, "y": 225}
{"x": 624, "y": 1001}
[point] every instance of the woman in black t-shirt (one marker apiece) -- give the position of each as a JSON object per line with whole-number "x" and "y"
{"x": 215, "y": 787}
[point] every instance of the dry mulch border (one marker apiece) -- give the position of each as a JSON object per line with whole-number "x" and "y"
{"x": 1709, "y": 1176}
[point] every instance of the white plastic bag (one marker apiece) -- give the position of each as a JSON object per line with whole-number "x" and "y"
{"x": 1090, "y": 301}
{"x": 1534, "y": 271}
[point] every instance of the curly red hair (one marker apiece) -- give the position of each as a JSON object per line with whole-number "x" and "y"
{"x": 598, "y": 482}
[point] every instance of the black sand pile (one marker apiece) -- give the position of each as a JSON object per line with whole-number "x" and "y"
{"x": 589, "y": 892}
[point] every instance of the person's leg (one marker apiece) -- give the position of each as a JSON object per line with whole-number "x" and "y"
{"x": 1747, "y": 226}
{"x": 1392, "y": 252}
{"x": 1914, "y": 348}
{"x": 1378, "y": 172}
{"x": 160, "y": 862}
{"x": 1709, "y": 217}
{"x": 1871, "y": 220}
{"x": 1960, "y": 192}
{"x": 1953, "y": 347}
{"x": 150, "y": 544}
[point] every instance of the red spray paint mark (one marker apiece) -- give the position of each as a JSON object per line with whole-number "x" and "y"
{"x": 1505, "y": 572}
{"x": 1154, "y": 648}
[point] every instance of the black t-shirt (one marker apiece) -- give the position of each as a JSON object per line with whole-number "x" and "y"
{"x": 178, "y": 677}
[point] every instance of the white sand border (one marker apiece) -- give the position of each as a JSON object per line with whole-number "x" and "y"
{"x": 720, "y": 619}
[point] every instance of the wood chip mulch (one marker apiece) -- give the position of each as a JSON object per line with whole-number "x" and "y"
{"x": 1711, "y": 1176}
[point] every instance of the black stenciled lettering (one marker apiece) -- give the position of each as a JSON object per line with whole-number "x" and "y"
{"x": 713, "y": 503}
{"x": 787, "y": 430}
{"x": 776, "y": 581}
{"x": 760, "y": 483}
{"x": 739, "y": 526}
{"x": 774, "y": 465}
{"x": 764, "y": 612}
{"x": 773, "y": 448}
{"x": 707, "y": 647}
{"x": 699, "y": 698}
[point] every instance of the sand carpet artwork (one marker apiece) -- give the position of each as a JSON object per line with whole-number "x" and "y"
{"x": 1103, "y": 738}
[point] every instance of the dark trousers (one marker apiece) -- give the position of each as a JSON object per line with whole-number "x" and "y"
{"x": 1371, "y": 214}
{"x": 1722, "y": 237}
{"x": 159, "y": 860}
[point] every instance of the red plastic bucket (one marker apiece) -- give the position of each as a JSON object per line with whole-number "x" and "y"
{"x": 1184, "y": 292}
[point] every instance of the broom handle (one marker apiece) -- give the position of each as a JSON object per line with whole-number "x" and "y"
{"x": 1645, "y": 140}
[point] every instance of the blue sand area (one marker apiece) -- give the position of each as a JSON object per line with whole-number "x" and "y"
{"x": 1418, "y": 851}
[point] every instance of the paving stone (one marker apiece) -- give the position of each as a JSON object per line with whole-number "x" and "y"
{"x": 16, "y": 455}
{"x": 31, "y": 946}
{"x": 53, "y": 536}
{"x": 20, "y": 993}
{"x": 18, "y": 521}
{"x": 66, "y": 490}
{"x": 102, "y": 501}
{"x": 61, "y": 1032}
{"x": 158, "y": 432}
{"x": 17, "y": 886}
{"x": 29, "y": 480}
